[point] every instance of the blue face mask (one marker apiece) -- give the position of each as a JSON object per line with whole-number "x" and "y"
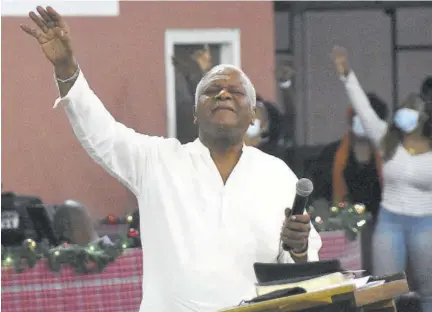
{"x": 357, "y": 127}
{"x": 406, "y": 119}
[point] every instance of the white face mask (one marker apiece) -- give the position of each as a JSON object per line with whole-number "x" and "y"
{"x": 254, "y": 129}
{"x": 357, "y": 127}
{"x": 406, "y": 119}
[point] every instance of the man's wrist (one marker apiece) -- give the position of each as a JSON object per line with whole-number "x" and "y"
{"x": 300, "y": 252}
{"x": 66, "y": 70}
{"x": 299, "y": 257}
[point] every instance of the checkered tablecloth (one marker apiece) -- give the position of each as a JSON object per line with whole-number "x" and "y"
{"x": 335, "y": 245}
{"x": 117, "y": 289}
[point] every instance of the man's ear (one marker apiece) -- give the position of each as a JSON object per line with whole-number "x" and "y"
{"x": 253, "y": 115}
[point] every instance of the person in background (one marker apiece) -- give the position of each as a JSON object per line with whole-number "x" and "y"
{"x": 284, "y": 76}
{"x": 404, "y": 225}
{"x": 273, "y": 131}
{"x": 73, "y": 224}
{"x": 426, "y": 89}
{"x": 189, "y": 70}
{"x": 265, "y": 132}
{"x": 350, "y": 170}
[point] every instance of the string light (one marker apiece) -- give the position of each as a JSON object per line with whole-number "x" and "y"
{"x": 30, "y": 243}
{"x": 361, "y": 223}
{"x": 351, "y": 219}
{"x": 133, "y": 233}
{"x": 112, "y": 219}
{"x": 334, "y": 209}
{"x": 129, "y": 218}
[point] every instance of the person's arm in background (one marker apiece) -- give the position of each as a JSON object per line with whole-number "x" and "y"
{"x": 120, "y": 150}
{"x": 285, "y": 75}
{"x": 375, "y": 127}
{"x": 194, "y": 69}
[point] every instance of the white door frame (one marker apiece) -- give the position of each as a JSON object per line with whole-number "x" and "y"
{"x": 228, "y": 39}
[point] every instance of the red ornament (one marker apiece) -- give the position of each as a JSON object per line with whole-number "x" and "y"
{"x": 341, "y": 204}
{"x": 133, "y": 233}
{"x": 65, "y": 244}
{"x": 112, "y": 219}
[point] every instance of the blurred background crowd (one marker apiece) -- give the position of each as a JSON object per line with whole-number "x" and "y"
{"x": 145, "y": 59}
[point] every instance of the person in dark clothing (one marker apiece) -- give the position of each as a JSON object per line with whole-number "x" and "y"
{"x": 426, "y": 89}
{"x": 190, "y": 67}
{"x": 350, "y": 170}
{"x": 354, "y": 173}
{"x": 265, "y": 133}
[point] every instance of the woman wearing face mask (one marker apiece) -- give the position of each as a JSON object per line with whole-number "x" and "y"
{"x": 265, "y": 132}
{"x": 404, "y": 228}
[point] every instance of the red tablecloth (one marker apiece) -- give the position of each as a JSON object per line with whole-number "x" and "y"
{"x": 118, "y": 288}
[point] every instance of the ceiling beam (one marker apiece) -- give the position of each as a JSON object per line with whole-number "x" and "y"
{"x": 299, "y": 6}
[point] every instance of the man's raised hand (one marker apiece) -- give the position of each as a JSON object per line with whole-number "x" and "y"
{"x": 340, "y": 59}
{"x": 52, "y": 34}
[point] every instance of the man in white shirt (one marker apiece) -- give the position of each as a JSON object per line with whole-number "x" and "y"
{"x": 208, "y": 209}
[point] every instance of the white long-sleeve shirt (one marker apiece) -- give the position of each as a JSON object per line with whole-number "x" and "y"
{"x": 407, "y": 178}
{"x": 200, "y": 237}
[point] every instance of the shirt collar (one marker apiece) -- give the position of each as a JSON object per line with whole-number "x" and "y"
{"x": 202, "y": 149}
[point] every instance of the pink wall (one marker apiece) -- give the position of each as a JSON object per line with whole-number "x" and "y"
{"x": 123, "y": 59}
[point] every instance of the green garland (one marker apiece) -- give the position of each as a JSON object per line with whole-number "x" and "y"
{"x": 343, "y": 216}
{"x": 93, "y": 258}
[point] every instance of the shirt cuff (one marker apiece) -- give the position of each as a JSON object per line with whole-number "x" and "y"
{"x": 79, "y": 84}
{"x": 285, "y": 84}
{"x": 347, "y": 78}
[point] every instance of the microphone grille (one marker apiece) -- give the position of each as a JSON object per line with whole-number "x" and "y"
{"x": 304, "y": 187}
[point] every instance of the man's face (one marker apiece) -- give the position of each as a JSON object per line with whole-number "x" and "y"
{"x": 224, "y": 108}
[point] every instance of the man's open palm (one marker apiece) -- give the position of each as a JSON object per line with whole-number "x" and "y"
{"x": 52, "y": 33}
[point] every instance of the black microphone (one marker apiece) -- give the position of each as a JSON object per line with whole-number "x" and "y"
{"x": 304, "y": 188}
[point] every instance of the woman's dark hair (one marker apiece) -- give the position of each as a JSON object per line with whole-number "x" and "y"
{"x": 394, "y": 135}
{"x": 426, "y": 95}
{"x": 378, "y": 105}
{"x": 274, "y": 121}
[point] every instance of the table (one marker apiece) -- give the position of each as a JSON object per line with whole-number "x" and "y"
{"x": 116, "y": 289}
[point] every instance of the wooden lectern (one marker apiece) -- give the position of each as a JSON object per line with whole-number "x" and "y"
{"x": 344, "y": 298}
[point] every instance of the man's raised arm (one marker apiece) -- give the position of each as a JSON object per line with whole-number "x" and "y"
{"x": 120, "y": 150}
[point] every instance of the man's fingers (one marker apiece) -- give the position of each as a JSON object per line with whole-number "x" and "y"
{"x": 339, "y": 52}
{"x": 297, "y": 227}
{"x": 39, "y": 22}
{"x": 31, "y": 31}
{"x": 44, "y": 14}
{"x": 304, "y": 218}
{"x": 294, "y": 235}
{"x": 294, "y": 244}
{"x": 288, "y": 212}
{"x": 56, "y": 17}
